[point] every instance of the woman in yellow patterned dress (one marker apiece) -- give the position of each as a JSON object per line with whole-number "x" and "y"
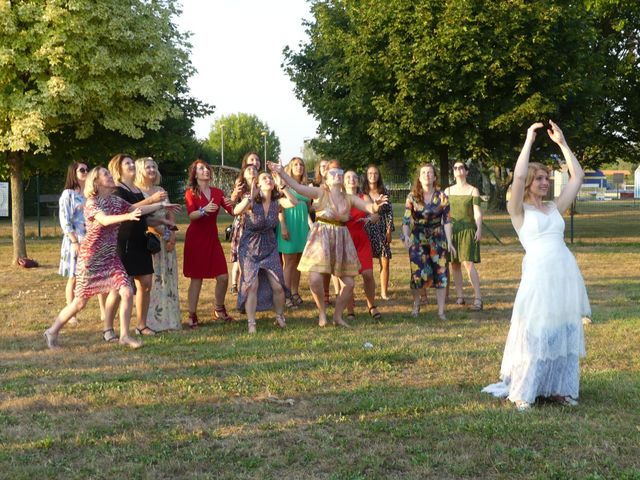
{"x": 329, "y": 249}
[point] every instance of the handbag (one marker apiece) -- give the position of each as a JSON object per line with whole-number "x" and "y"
{"x": 26, "y": 262}
{"x": 153, "y": 242}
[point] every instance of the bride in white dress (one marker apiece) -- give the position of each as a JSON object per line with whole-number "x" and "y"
{"x": 545, "y": 341}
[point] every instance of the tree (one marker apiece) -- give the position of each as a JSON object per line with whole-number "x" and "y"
{"x": 243, "y": 132}
{"x": 414, "y": 81}
{"x": 75, "y": 68}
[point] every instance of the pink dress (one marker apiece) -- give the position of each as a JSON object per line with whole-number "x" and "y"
{"x": 99, "y": 268}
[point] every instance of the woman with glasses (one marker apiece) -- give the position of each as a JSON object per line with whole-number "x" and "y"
{"x": 329, "y": 249}
{"x": 466, "y": 218}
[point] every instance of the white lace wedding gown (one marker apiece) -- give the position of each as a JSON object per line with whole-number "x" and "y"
{"x": 545, "y": 341}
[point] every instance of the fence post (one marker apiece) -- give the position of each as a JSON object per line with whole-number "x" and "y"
{"x": 573, "y": 211}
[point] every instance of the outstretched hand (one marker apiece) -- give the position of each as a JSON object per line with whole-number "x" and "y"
{"x": 275, "y": 167}
{"x": 134, "y": 215}
{"x": 532, "y": 131}
{"x": 556, "y": 134}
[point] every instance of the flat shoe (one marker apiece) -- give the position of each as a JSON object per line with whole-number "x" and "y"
{"x": 145, "y": 331}
{"x": 109, "y": 336}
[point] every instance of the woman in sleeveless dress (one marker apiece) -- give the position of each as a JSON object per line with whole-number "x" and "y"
{"x": 292, "y": 232}
{"x": 466, "y": 218}
{"x": 164, "y": 303}
{"x": 99, "y": 268}
{"x": 262, "y": 284}
{"x": 545, "y": 340}
{"x": 329, "y": 249}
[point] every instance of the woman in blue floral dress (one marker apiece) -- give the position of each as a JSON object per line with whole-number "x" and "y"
{"x": 426, "y": 228}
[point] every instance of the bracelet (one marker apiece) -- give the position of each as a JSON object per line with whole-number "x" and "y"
{"x": 74, "y": 242}
{"x": 202, "y": 212}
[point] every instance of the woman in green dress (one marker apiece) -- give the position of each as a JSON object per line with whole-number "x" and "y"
{"x": 466, "y": 215}
{"x": 292, "y": 231}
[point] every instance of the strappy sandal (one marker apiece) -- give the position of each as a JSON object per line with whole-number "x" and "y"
{"x": 220, "y": 313}
{"x": 477, "y": 305}
{"x": 377, "y": 315}
{"x": 297, "y": 300}
{"x": 351, "y": 316}
{"x": 109, "y": 336}
{"x": 289, "y": 303}
{"x": 145, "y": 331}
{"x": 193, "y": 320}
{"x": 460, "y": 301}
{"x": 252, "y": 326}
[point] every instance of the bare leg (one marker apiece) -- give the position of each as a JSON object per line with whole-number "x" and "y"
{"x": 474, "y": 277}
{"x": 369, "y": 288}
{"x": 71, "y": 309}
{"x": 457, "y": 277}
{"x": 111, "y": 302}
{"x": 222, "y": 282}
{"x": 250, "y": 306}
{"x": 235, "y": 274}
{"x": 193, "y": 294}
{"x": 316, "y": 284}
{"x": 384, "y": 278}
{"x": 290, "y": 265}
{"x": 126, "y": 305}
{"x": 102, "y": 301}
{"x": 441, "y": 296}
{"x": 326, "y": 280}
{"x": 278, "y": 299}
{"x": 68, "y": 295}
{"x": 143, "y": 297}
{"x": 417, "y": 301}
{"x": 341, "y": 301}
{"x": 295, "y": 275}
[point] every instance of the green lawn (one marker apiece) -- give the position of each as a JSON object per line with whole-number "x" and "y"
{"x": 313, "y": 403}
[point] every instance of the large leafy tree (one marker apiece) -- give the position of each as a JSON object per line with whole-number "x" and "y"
{"x": 243, "y": 132}
{"x": 411, "y": 81}
{"x": 72, "y": 69}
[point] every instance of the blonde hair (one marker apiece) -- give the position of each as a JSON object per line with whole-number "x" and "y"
{"x": 115, "y": 165}
{"x": 289, "y": 170}
{"x": 140, "y": 164}
{"x": 90, "y": 184}
{"x": 533, "y": 168}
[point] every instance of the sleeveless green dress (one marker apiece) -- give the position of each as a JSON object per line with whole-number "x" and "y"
{"x": 464, "y": 228}
{"x": 298, "y": 226}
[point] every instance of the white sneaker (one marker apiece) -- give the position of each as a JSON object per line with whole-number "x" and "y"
{"x": 523, "y": 406}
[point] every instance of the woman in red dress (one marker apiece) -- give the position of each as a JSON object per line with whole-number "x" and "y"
{"x": 203, "y": 255}
{"x": 99, "y": 268}
{"x": 356, "y": 223}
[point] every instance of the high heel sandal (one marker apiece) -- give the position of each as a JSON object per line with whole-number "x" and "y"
{"x": 416, "y": 308}
{"x": 193, "y": 320}
{"x": 252, "y": 326}
{"x": 297, "y": 300}
{"x": 477, "y": 305}
{"x": 280, "y": 321}
{"x": 289, "y": 303}
{"x": 220, "y": 313}
{"x": 377, "y": 315}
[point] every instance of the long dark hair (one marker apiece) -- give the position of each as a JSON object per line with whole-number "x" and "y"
{"x": 71, "y": 181}
{"x": 379, "y": 184}
{"x": 246, "y": 157}
{"x": 192, "y": 183}
{"x": 416, "y": 190}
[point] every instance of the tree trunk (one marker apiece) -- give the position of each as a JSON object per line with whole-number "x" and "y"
{"x": 498, "y": 195}
{"x": 16, "y": 163}
{"x": 443, "y": 154}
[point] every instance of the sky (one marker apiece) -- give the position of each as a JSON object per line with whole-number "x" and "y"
{"x": 237, "y": 50}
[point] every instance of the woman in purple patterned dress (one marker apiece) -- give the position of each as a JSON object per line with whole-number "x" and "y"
{"x": 261, "y": 278}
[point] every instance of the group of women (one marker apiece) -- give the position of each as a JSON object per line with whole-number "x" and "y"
{"x": 330, "y": 228}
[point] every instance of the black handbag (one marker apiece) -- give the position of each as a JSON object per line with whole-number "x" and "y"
{"x": 153, "y": 243}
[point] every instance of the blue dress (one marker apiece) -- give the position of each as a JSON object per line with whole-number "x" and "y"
{"x": 71, "y": 215}
{"x": 258, "y": 255}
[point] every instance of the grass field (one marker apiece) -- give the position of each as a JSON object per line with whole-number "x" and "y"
{"x": 313, "y": 403}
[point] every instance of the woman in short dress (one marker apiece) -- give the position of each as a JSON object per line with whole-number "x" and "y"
{"x": 546, "y": 338}
{"x": 329, "y": 249}
{"x": 292, "y": 232}
{"x": 426, "y": 228}
{"x": 71, "y": 215}
{"x": 466, "y": 218}
{"x": 203, "y": 254}
{"x": 99, "y": 269}
{"x": 261, "y": 279}
{"x": 380, "y": 232}
{"x": 164, "y": 303}
{"x": 356, "y": 225}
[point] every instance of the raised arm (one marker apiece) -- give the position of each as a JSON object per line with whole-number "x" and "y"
{"x": 576, "y": 174}
{"x": 307, "y": 191}
{"x": 371, "y": 207}
{"x": 514, "y": 205}
{"x": 106, "y": 220}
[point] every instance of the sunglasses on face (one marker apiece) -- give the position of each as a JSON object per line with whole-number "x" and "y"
{"x": 335, "y": 172}
{"x": 459, "y": 167}
{"x": 83, "y": 170}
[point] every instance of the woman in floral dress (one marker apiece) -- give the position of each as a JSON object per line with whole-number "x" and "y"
{"x": 426, "y": 228}
{"x": 164, "y": 304}
{"x": 99, "y": 268}
{"x": 261, "y": 279}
